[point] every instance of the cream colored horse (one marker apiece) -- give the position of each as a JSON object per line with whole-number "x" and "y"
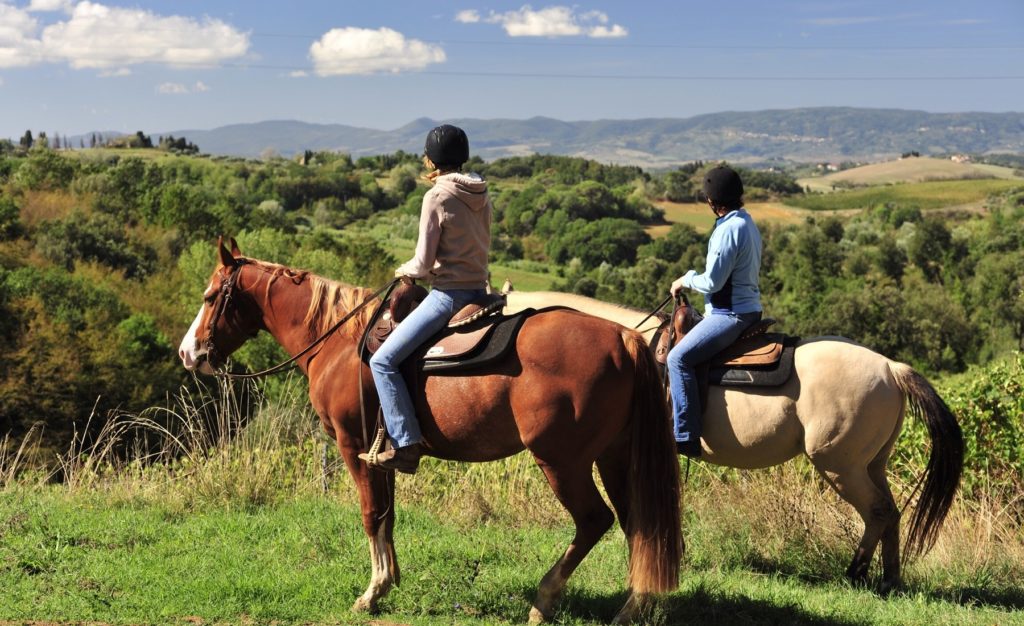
{"x": 844, "y": 409}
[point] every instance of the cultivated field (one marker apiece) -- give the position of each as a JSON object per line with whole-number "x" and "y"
{"x": 699, "y": 216}
{"x": 965, "y": 194}
{"x": 912, "y": 170}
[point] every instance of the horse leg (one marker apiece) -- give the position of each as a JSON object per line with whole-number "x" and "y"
{"x": 854, "y": 484}
{"x": 613, "y": 466}
{"x": 376, "y": 500}
{"x": 574, "y": 486}
{"x": 891, "y": 533}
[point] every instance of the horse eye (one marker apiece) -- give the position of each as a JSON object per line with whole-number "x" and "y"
{"x": 210, "y": 298}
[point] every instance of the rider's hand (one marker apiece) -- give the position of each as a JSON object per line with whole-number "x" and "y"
{"x": 677, "y": 287}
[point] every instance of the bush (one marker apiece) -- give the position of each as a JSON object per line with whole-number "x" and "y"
{"x": 98, "y": 238}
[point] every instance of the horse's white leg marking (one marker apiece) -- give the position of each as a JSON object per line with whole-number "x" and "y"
{"x": 188, "y": 350}
{"x": 380, "y": 576}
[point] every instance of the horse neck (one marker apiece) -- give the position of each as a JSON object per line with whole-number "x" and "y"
{"x": 282, "y": 304}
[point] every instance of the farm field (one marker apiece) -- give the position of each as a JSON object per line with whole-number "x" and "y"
{"x": 912, "y": 170}
{"x": 926, "y": 195}
{"x": 968, "y": 194}
{"x": 698, "y": 215}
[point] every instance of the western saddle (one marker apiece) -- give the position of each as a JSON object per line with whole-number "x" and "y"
{"x": 462, "y": 336}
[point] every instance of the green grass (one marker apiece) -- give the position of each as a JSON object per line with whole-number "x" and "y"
{"x": 71, "y": 558}
{"x": 927, "y": 195}
{"x": 228, "y": 525}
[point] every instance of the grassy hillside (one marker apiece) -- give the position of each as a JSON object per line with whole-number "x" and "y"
{"x": 698, "y": 215}
{"x": 968, "y": 194}
{"x": 86, "y": 559}
{"x": 912, "y": 170}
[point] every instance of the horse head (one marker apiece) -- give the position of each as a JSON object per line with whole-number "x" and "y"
{"x": 223, "y": 324}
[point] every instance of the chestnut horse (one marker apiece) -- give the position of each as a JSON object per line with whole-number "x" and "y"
{"x": 843, "y": 408}
{"x": 576, "y": 390}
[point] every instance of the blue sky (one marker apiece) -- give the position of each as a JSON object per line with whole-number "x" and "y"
{"x": 72, "y": 67}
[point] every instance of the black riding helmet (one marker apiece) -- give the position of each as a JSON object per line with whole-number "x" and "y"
{"x": 722, "y": 185}
{"x": 447, "y": 146}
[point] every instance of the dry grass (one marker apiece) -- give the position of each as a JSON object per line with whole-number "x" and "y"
{"x": 913, "y": 170}
{"x": 42, "y": 206}
{"x": 698, "y": 215}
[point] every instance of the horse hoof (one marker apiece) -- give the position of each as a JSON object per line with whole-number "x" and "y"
{"x": 622, "y": 618}
{"x": 628, "y": 612}
{"x": 537, "y": 616}
{"x": 363, "y": 605}
{"x": 888, "y": 586}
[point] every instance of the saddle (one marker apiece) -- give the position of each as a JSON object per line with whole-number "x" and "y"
{"x": 757, "y": 359}
{"x": 477, "y": 334}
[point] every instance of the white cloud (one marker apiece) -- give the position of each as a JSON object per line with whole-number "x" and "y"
{"x": 19, "y": 44}
{"x": 49, "y": 5}
{"x": 599, "y": 32}
{"x": 171, "y": 88}
{"x": 180, "y": 88}
{"x": 98, "y": 36}
{"x": 119, "y": 72}
{"x": 298, "y": 73}
{"x": 366, "y": 51}
{"x": 556, "y": 21}
{"x": 469, "y": 16}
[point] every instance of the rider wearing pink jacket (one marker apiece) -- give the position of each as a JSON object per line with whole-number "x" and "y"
{"x": 451, "y": 253}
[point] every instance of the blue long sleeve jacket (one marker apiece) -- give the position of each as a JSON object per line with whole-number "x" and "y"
{"x": 730, "y": 281}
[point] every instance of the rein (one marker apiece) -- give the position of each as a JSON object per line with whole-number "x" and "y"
{"x": 653, "y": 313}
{"x": 226, "y": 292}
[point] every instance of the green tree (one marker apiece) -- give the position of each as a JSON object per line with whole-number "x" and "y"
{"x": 10, "y": 219}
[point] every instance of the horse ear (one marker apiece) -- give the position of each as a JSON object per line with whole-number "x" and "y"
{"x": 235, "y": 252}
{"x": 226, "y": 260}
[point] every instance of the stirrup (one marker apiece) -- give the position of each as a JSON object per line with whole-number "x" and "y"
{"x": 377, "y": 446}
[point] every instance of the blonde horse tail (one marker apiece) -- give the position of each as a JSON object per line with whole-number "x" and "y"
{"x": 945, "y": 463}
{"x": 654, "y": 527}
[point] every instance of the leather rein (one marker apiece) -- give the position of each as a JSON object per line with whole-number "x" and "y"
{"x": 227, "y": 288}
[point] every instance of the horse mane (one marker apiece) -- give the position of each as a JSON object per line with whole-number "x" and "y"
{"x": 331, "y": 300}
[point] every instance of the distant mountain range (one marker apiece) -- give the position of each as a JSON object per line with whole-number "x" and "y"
{"x": 809, "y": 134}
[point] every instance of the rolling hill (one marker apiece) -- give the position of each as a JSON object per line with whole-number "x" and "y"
{"x": 809, "y": 134}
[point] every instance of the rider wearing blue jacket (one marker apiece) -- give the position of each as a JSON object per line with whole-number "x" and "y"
{"x": 732, "y": 300}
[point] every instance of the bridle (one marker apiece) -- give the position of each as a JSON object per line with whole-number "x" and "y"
{"x": 227, "y": 288}
{"x": 224, "y": 298}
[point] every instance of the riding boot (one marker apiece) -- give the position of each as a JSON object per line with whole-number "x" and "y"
{"x": 691, "y": 449}
{"x": 405, "y": 459}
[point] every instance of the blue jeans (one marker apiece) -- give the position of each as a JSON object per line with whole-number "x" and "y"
{"x": 423, "y": 323}
{"x": 713, "y": 334}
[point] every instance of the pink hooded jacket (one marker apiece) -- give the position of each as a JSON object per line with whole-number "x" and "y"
{"x": 455, "y": 234}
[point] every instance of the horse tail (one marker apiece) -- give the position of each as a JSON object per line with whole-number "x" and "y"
{"x": 654, "y": 528}
{"x": 945, "y": 463}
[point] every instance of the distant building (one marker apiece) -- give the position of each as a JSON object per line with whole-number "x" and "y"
{"x": 960, "y": 158}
